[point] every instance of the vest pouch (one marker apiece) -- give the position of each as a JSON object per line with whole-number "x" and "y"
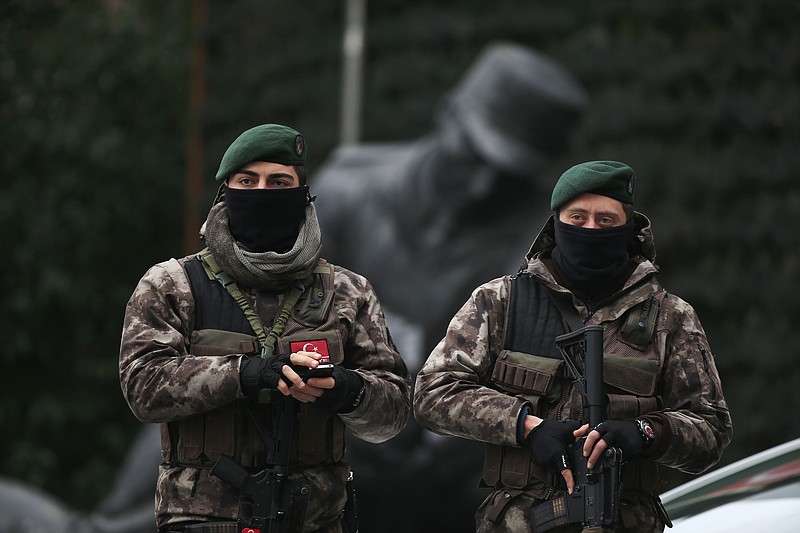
{"x": 637, "y": 376}
{"x": 220, "y": 342}
{"x": 492, "y": 462}
{"x": 628, "y": 406}
{"x": 512, "y": 467}
{"x": 516, "y": 469}
{"x": 325, "y": 342}
{"x": 219, "y": 433}
{"x": 191, "y": 433}
{"x": 639, "y": 324}
{"x": 312, "y": 309}
{"x": 640, "y": 475}
{"x": 200, "y": 439}
{"x": 320, "y": 437}
{"x": 529, "y": 374}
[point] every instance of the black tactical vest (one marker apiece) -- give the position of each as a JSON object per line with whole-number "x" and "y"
{"x": 214, "y": 307}
{"x": 220, "y": 328}
{"x": 533, "y": 320}
{"x": 530, "y": 366}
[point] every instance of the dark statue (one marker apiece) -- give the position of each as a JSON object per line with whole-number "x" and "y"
{"x": 425, "y": 221}
{"x": 428, "y": 221}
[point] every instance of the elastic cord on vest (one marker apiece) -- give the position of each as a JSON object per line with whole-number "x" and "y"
{"x": 267, "y": 340}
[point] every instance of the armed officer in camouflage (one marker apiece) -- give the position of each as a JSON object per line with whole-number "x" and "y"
{"x": 190, "y": 350}
{"x": 497, "y": 376}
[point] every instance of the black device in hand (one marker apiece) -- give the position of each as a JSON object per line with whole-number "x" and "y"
{"x": 323, "y": 370}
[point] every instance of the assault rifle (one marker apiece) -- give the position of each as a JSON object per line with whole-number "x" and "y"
{"x": 595, "y": 500}
{"x": 270, "y": 501}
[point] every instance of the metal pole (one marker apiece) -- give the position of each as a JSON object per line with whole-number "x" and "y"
{"x": 353, "y": 60}
{"x": 193, "y": 215}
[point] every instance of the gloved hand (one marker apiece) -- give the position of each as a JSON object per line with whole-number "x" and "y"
{"x": 345, "y": 395}
{"x": 549, "y": 443}
{"x": 256, "y": 373}
{"x": 622, "y": 434}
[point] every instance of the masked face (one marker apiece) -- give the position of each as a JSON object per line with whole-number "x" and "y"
{"x": 265, "y": 206}
{"x": 592, "y": 238}
{"x": 266, "y": 220}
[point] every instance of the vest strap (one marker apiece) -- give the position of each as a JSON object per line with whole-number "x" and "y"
{"x": 267, "y": 340}
{"x": 214, "y": 271}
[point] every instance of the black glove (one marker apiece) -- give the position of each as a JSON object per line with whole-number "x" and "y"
{"x": 345, "y": 395}
{"x": 256, "y": 373}
{"x": 550, "y": 441}
{"x": 622, "y": 434}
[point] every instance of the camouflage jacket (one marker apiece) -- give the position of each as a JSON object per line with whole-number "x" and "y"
{"x": 164, "y": 382}
{"x": 455, "y": 394}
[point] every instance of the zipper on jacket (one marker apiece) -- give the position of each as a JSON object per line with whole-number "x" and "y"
{"x": 592, "y": 308}
{"x": 563, "y": 401}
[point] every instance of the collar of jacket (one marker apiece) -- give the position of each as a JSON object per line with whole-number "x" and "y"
{"x": 545, "y": 240}
{"x": 641, "y": 285}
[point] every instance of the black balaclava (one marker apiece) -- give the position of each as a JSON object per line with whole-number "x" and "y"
{"x": 592, "y": 261}
{"x": 266, "y": 220}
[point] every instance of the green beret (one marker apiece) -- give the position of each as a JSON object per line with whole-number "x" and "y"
{"x": 607, "y": 178}
{"x": 269, "y": 142}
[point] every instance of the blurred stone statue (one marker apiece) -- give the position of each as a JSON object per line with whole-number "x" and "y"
{"x": 128, "y": 508}
{"x": 419, "y": 219}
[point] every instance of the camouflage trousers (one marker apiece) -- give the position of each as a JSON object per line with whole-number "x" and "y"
{"x": 637, "y": 515}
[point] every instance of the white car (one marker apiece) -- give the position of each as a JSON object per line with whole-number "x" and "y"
{"x": 758, "y": 493}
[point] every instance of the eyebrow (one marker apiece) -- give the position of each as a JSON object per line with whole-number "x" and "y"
{"x": 582, "y": 211}
{"x": 271, "y": 175}
{"x": 577, "y": 210}
{"x": 244, "y": 171}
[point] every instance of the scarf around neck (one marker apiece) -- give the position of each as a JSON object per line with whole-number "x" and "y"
{"x": 271, "y": 271}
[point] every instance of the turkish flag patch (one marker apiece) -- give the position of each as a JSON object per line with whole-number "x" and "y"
{"x": 320, "y": 346}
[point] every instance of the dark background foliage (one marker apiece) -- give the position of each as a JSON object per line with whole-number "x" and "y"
{"x": 701, "y": 98}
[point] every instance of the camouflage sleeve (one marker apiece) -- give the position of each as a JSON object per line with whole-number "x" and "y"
{"x": 159, "y": 379}
{"x": 452, "y": 396}
{"x": 695, "y": 416}
{"x": 370, "y": 351}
